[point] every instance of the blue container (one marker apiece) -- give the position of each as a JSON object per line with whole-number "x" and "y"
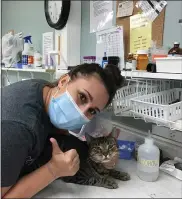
{"x": 18, "y": 65}
{"x": 126, "y": 149}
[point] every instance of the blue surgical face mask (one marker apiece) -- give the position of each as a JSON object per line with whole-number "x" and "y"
{"x": 65, "y": 114}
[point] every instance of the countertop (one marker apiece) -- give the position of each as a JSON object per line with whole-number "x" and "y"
{"x": 165, "y": 187}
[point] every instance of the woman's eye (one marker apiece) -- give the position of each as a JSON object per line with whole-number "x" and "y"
{"x": 83, "y": 98}
{"x": 92, "y": 111}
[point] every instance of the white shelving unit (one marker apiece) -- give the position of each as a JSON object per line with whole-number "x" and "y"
{"x": 144, "y": 74}
{"x": 54, "y": 74}
{"x": 60, "y": 72}
{"x": 33, "y": 70}
{"x": 169, "y": 80}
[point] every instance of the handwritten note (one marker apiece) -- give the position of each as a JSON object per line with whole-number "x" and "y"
{"x": 140, "y": 33}
{"x": 48, "y": 44}
{"x": 101, "y": 15}
{"x": 125, "y": 8}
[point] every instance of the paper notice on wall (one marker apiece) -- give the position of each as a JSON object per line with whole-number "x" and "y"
{"x": 101, "y": 15}
{"x": 110, "y": 42}
{"x": 125, "y": 8}
{"x": 140, "y": 33}
{"x": 151, "y": 9}
{"x": 47, "y": 45}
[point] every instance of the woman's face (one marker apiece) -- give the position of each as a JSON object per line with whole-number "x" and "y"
{"x": 89, "y": 93}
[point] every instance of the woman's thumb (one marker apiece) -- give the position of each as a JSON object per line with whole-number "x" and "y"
{"x": 55, "y": 147}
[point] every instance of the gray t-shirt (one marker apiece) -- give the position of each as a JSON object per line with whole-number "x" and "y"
{"x": 25, "y": 126}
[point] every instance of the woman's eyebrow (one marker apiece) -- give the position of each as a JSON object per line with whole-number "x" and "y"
{"x": 89, "y": 95}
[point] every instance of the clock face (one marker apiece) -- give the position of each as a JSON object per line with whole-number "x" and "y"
{"x": 54, "y": 10}
{"x": 57, "y": 13}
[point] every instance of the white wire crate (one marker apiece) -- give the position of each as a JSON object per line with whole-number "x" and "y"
{"x": 121, "y": 102}
{"x": 163, "y": 108}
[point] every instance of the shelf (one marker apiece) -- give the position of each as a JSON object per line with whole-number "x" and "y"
{"x": 33, "y": 70}
{"x": 143, "y": 74}
{"x": 60, "y": 72}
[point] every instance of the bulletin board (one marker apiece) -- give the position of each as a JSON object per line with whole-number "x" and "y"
{"x": 157, "y": 28}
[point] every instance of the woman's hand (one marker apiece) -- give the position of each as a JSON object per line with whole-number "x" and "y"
{"x": 111, "y": 164}
{"x": 63, "y": 164}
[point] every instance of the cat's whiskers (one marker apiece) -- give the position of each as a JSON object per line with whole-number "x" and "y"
{"x": 103, "y": 150}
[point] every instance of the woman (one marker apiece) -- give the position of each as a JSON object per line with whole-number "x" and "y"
{"x": 32, "y": 109}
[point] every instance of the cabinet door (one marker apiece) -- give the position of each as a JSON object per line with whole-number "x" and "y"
{"x": 167, "y": 133}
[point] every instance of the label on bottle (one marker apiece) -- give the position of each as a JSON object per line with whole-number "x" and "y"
{"x": 30, "y": 60}
{"x": 148, "y": 163}
{"x": 25, "y": 59}
{"x": 128, "y": 65}
{"x": 104, "y": 63}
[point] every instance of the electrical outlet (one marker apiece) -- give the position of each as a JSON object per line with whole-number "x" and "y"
{"x": 172, "y": 134}
{"x": 167, "y": 133}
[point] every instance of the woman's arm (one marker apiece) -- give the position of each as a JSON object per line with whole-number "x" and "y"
{"x": 61, "y": 164}
{"x": 4, "y": 190}
{"x": 31, "y": 184}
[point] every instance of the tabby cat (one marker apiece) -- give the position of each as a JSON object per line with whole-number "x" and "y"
{"x": 92, "y": 172}
{"x": 92, "y": 156}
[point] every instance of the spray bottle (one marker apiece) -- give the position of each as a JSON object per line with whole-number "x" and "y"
{"x": 27, "y": 54}
{"x": 148, "y": 160}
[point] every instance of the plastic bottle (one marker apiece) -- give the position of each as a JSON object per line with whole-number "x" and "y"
{"x": 130, "y": 62}
{"x": 142, "y": 59}
{"x": 27, "y": 54}
{"x": 148, "y": 161}
{"x": 31, "y": 56}
{"x": 104, "y": 60}
{"x": 37, "y": 59}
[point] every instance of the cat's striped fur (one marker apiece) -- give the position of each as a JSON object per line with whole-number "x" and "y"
{"x": 92, "y": 172}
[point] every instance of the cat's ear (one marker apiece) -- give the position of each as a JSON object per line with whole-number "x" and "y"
{"x": 114, "y": 133}
{"x": 88, "y": 138}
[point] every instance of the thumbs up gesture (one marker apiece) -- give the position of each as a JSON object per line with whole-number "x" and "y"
{"x": 64, "y": 164}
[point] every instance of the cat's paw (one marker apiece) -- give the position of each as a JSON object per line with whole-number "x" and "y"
{"x": 110, "y": 184}
{"x": 123, "y": 176}
{"x": 120, "y": 175}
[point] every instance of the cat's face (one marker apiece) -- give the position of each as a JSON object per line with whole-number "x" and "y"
{"x": 103, "y": 149}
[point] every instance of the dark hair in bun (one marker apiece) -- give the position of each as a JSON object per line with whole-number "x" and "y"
{"x": 110, "y": 76}
{"x": 115, "y": 73}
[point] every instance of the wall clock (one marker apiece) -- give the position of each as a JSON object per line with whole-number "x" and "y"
{"x": 57, "y": 13}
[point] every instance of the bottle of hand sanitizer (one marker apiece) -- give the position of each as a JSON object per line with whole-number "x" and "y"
{"x": 148, "y": 160}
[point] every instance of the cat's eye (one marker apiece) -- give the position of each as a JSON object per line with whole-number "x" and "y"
{"x": 97, "y": 149}
{"x": 112, "y": 148}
